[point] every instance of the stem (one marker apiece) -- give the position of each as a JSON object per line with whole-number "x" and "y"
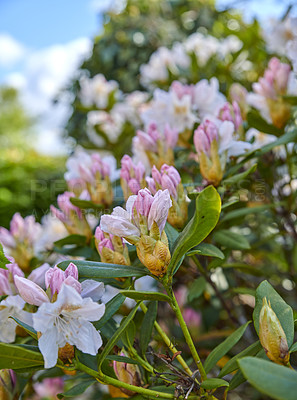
{"x": 144, "y": 363}
{"x": 176, "y": 309}
{"x": 168, "y": 343}
{"x": 102, "y": 378}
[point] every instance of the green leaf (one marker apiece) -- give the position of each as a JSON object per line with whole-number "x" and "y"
{"x": 213, "y": 383}
{"x": 123, "y": 359}
{"x": 128, "y": 336}
{"x": 282, "y": 310}
{"x": 148, "y": 325}
{"x": 99, "y": 270}
{"x": 232, "y": 365}
{"x": 231, "y": 240}
{"x": 293, "y": 348}
{"x": 142, "y": 295}
{"x": 16, "y": 357}
{"x": 290, "y": 99}
{"x": 208, "y": 207}
{"x": 237, "y": 380}
{"x": 224, "y": 347}
{"x": 239, "y": 177}
{"x": 207, "y": 249}
{"x": 255, "y": 120}
{"x": 29, "y": 329}
{"x": 288, "y": 137}
{"x": 111, "y": 307}
{"x": 113, "y": 340}
{"x": 172, "y": 234}
{"x": 85, "y": 204}
{"x": 242, "y": 212}
{"x": 274, "y": 380}
{"x": 79, "y": 240}
{"x": 78, "y": 389}
{"x": 196, "y": 288}
{"x": 3, "y": 259}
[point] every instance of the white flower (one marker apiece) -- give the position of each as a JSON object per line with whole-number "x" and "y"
{"x": 12, "y": 306}
{"x": 67, "y": 321}
{"x": 96, "y": 91}
{"x": 204, "y": 47}
{"x": 207, "y": 98}
{"x": 279, "y": 33}
{"x": 292, "y": 53}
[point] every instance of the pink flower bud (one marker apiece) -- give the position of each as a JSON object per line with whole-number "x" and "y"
{"x": 49, "y": 387}
{"x": 143, "y": 202}
{"x": 54, "y": 278}
{"x": 6, "y": 238}
{"x": 71, "y": 270}
{"x": 30, "y": 292}
{"x": 17, "y": 225}
{"x": 171, "y": 136}
{"x": 159, "y": 209}
{"x": 231, "y": 113}
{"x": 204, "y": 135}
{"x": 71, "y": 281}
{"x": 151, "y": 184}
{"x": 99, "y": 234}
{"x": 105, "y": 243}
{"x": 156, "y": 175}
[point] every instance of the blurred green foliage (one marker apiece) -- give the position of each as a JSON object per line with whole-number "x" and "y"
{"x": 29, "y": 182}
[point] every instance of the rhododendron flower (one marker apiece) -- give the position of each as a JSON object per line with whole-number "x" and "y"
{"x": 12, "y": 306}
{"x": 132, "y": 176}
{"x": 97, "y": 90}
{"x": 157, "y": 147}
{"x": 112, "y": 249}
{"x": 49, "y": 388}
{"x": 71, "y": 216}
{"x": 232, "y": 113}
{"x": 143, "y": 224}
{"x": 268, "y": 93}
{"x": 33, "y": 294}
{"x": 90, "y": 176}
{"x": 67, "y": 321}
{"x": 169, "y": 178}
{"x": 21, "y": 239}
{"x": 7, "y": 277}
{"x": 214, "y": 143}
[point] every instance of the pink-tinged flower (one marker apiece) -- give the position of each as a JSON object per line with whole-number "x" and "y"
{"x": 215, "y": 143}
{"x": 268, "y": 93}
{"x": 157, "y": 145}
{"x": 231, "y": 113}
{"x": 49, "y": 388}
{"x": 238, "y": 93}
{"x": 143, "y": 224}
{"x": 90, "y": 176}
{"x": 132, "y": 176}
{"x": 12, "y": 306}
{"x": 67, "y": 321}
{"x": 7, "y": 278}
{"x": 71, "y": 216}
{"x": 54, "y": 278}
{"x": 21, "y": 239}
{"x": 182, "y": 90}
{"x": 112, "y": 249}
{"x": 38, "y": 275}
{"x": 30, "y": 291}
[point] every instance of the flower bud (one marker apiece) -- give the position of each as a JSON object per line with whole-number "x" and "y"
{"x": 112, "y": 249}
{"x": 132, "y": 176}
{"x": 127, "y": 373}
{"x": 7, "y": 384}
{"x": 272, "y": 335}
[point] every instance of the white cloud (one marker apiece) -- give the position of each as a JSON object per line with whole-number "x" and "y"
{"x": 45, "y": 73}
{"x": 11, "y": 51}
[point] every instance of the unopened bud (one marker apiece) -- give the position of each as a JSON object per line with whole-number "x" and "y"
{"x": 7, "y": 384}
{"x": 272, "y": 335}
{"x": 127, "y": 373}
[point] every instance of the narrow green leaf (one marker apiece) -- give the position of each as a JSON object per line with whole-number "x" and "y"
{"x": 128, "y": 336}
{"x": 207, "y": 249}
{"x": 242, "y": 212}
{"x": 274, "y": 380}
{"x": 78, "y": 389}
{"x": 224, "y": 347}
{"x": 111, "y": 307}
{"x": 213, "y": 383}
{"x": 148, "y": 325}
{"x": 29, "y": 329}
{"x": 123, "y": 359}
{"x": 237, "y": 380}
{"x": 232, "y": 365}
{"x": 288, "y": 137}
{"x": 283, "y": 311}
{"x": 293, "y": 348}
{"x": 16, "y": 357}
{"x": 255, "y": 120}
{"x": 98, "y": 270}
{"x": 85, "y": 204}
{"x": 3, "y": 259}
{"x": 231, "y": 240}
{"x": 196, "y": 288}
{"x": 239, "y": 177}
{"x": 113, "y": 340}
{"x": 71, "y": 239}
{"x": 208, "y": 207}
{"x": 142, "y": 295}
